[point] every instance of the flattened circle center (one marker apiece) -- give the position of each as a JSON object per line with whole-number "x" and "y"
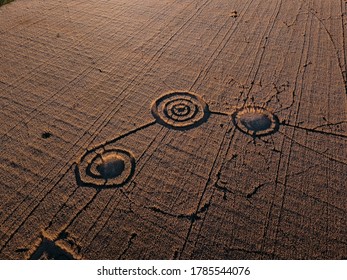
{"x": 181, "y": 109}
{"x": 255, "y": 121}
{"x": 111, "y": 166}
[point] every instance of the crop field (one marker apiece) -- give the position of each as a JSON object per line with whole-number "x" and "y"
{"x": 171, "y": 129}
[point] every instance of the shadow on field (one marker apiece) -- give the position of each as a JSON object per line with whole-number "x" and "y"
{"x": 3, "y": 2}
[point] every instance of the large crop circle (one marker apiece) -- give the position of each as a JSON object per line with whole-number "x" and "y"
{"x": 180, "y": 110}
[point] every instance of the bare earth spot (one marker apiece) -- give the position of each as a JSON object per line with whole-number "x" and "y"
{"x": 46, "y": 135}
{"x": 110, "y": 168}
{"x": 234, "y": 14}
{"x": 255, "y": 121}
{"x": 180, "y": 110}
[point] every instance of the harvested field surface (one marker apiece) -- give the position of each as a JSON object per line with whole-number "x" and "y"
{"x": 173, "y": 129}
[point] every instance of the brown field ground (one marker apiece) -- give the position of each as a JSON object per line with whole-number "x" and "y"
{"x": 201, "y": 129}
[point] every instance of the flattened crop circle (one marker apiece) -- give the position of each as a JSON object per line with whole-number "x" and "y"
{"x": 180, "y": 110}
{"x": 106, "y": 168}
{"x": 255, "y": 121}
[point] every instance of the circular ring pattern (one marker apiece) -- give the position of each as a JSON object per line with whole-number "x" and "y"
{"x": 106, "y": 168}
{"x": 180, "y": 110}
{"x": 255, "y": 121}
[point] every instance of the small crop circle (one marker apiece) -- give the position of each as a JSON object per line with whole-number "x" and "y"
{"x": 255, "y": 121}
{"x": 180, "y": 110}
{"x": 106, "y": 168}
